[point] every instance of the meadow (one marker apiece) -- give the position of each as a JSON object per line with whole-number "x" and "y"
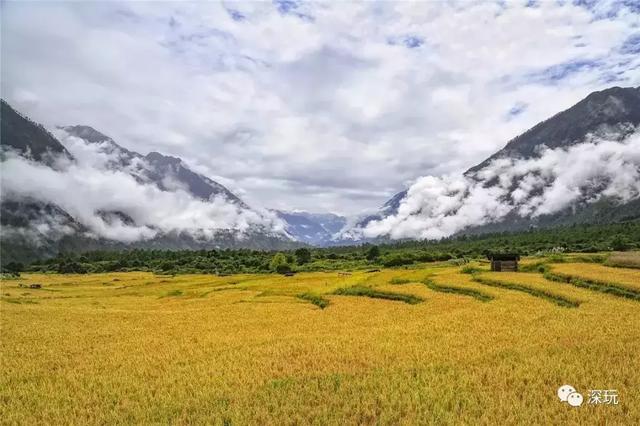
{"x": 424, "y": 344}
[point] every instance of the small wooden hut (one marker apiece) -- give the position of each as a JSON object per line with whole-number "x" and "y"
{"x": 504, "y": 262}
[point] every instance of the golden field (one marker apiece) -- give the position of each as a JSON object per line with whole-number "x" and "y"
{"x": 138, "y": 348}
{"x": 627, "y": 278}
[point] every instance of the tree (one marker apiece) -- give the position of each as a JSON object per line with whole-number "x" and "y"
{"x": 619, "y": 243}
{"x": 397, "y": 259}
{"x": 373, "y": 253}
{"x": 13, "y": 268}
{"x": 71, "y": 267}
{"x": 167, "y": 265}
{"x": 303, "y": 255}
{"x": 279, "y": 264}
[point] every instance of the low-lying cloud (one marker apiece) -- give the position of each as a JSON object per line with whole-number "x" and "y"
{"x": 437, "y": 207}
{"x": 118, "y": 204}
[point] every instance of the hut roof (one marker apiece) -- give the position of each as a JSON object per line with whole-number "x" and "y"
{"x": 503, "y": 256}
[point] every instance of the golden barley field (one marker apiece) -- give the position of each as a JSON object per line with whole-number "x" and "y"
{"x": 489, "y": 348}
{"x": 624, "y": 277}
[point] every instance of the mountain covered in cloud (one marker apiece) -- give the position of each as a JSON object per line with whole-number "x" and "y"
{"x": 28, "y": 138}
{"x": 580, "y": 166}
{"x": 613, "y": 113}
{"x": 162, "y": 170}
{"x": 81, "y": 190}
{"x": 317, "y": 229}
{"x": 77, "y": 189}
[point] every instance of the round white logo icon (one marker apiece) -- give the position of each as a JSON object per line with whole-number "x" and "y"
{"x": 564, "y": 392}
{"x": 575, "y": 399}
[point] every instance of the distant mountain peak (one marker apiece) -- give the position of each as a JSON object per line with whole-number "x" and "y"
{"x": 40, "y": 227}
{"x": 31, "y": 139}
{"x": 602, "y": 111}
{"x": 318, "y": 229}
{"x": 162, "y": 159}
{"x": 158, "y": 167}
{"x": 612, "y": 114}
{"x": 87, "y": 133}
{"x": 93, "y": 136}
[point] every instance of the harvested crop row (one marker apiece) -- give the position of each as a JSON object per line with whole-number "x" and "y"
{"x": 551, "y": 297}
{"x": 626, "y": 278}
{"x": 595, "y": 285}
{"x": 316, "y": 299}
{"x": 483, "y": 297}
{"x": 377, "y": 294}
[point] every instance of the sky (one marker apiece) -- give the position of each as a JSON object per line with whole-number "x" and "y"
{"x": 308, "y": 105}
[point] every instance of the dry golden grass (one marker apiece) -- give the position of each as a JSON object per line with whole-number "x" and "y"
{"x": 626, "y": 259}
{"x": 138, "y": 348}
{"x": 629, "y": 278}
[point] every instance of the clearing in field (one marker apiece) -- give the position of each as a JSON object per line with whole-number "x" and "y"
{"x": 425, "y": 345}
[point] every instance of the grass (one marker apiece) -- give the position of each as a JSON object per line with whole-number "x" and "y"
{"x": 377, "y": 294}
{"x": 595, "y": 285}
{"x": 629, "y": 259}
{"x": 317, "y": 300}
{"x": 540, "y": 267}
{"x": 622, "y": 277}
{"x": 174, "y": 293}
{"x": 543, "y": 294}
{"x": 242, "y": 350}
{"x": 469, "y": 269}
{"x": 483, "y": 297}
{"x": 399, "y": 281}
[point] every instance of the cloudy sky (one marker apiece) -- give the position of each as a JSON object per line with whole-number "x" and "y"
{"x": 315, "y": 106}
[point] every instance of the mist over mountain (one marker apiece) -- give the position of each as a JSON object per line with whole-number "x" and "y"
{"x": 318, "y": 229}
{"x": 154, "y": 167}
{"x": 611, "y": 114}
{"x": 580, "y": 166}
{"x": 85, "y": 191}
{"x": 27, "y": 137}
{"x": 77, "y": 189}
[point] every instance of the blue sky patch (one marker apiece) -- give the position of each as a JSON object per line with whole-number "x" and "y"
{"x": 235, "y": 15}
{"x": 412, "y": 42}
{"x": 558, "y": 72}
{"x": 517, "y": 109}
{"x": 611, "y": 78}
{"x": 286, "y": 6}
{"x": 408, "y": 41}
{"x": 631, "y": 45}
{"x": 290, "y": 7}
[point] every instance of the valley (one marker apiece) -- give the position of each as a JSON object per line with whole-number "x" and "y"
{"x": 307, "y": 212}
{"x": 578, "y": 167}
{"x": 427, "y": 341}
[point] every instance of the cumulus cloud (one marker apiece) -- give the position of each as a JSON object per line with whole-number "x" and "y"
{"x": 437, "y": 207}
{"x": 309, "y": 105}
{"x": 119, "y": 203}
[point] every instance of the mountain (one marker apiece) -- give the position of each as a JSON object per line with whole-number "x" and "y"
{"x": 388, "y": 208}
{"x": 155, "y": 167}
{"x": 158, "y": 201}
{"x": 317, "y": 229}
{"x": 612, "y": 114}
{"x": 28, "y": 138}
{"x": 35, "y": 226}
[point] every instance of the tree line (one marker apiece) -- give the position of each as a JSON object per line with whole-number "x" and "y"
{"x": 576, "y": 238}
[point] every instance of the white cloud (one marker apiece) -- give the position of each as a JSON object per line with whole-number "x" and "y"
{"x": 306, "y": 108}
{"x": 95, "y": 195}
{"x": 437, "y": 207}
